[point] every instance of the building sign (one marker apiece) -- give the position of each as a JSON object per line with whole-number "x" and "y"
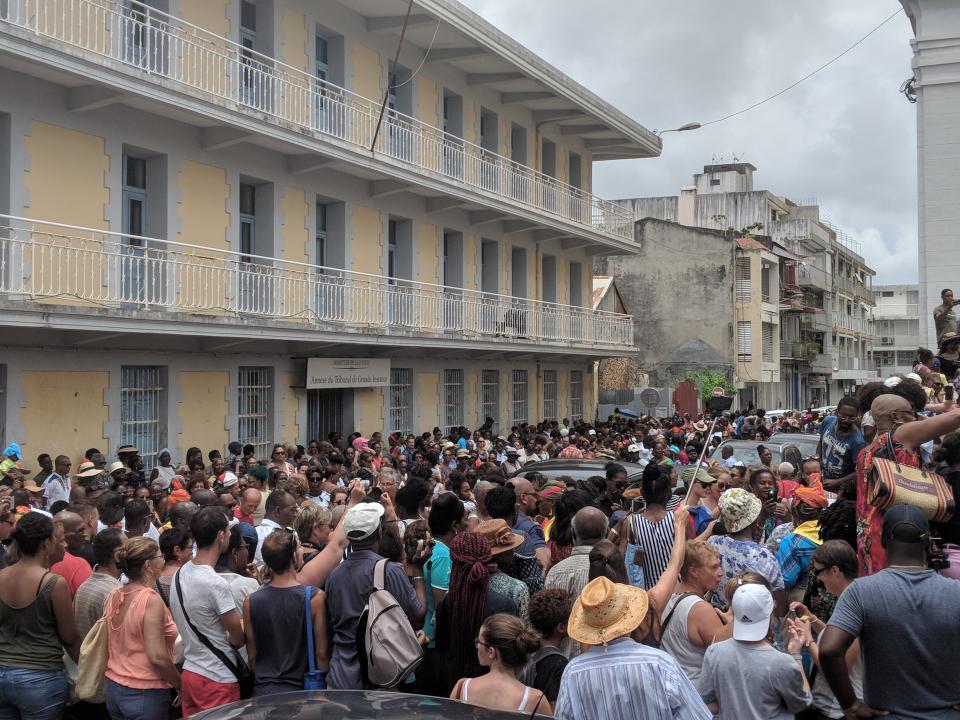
{"x": 326, "y": 373}
{"x": 817, "y": 382}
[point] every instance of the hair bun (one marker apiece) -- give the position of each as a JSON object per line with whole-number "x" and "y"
{"x": 529, "y": 641}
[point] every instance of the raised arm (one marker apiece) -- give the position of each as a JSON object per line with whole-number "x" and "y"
{"x": 661, "y": 592}
{"x": 914, "y": 434}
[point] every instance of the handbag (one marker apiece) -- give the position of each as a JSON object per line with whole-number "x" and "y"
{"x": 893, "y": 484}
{"x": 92, "y": 666}
{"x": 241, "y": 671}
{"x": 313, "y": 679}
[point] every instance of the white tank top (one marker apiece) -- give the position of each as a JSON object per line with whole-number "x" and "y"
{"x": 675, "y": 639}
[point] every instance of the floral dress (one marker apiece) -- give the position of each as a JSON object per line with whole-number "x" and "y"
{"x": 870, "y": 552}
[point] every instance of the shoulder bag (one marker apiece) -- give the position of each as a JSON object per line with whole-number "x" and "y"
{"x": 313, "y": 679}
{"x": 241, "y": 671}
{"x": 891, "y": 483}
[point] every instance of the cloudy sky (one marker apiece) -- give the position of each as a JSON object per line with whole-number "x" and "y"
{"x": 846, "y": 136}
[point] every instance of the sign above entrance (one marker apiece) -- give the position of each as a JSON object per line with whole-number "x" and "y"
{"x": 326, "y": 373}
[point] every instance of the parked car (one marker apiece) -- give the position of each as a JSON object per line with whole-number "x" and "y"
{"x": 578, "y": 469}
{"x": 745, "y": 451}
{"x": 825, "y": 410}
{"x": 807, "y": 443}
{"x": 353, "y": 705}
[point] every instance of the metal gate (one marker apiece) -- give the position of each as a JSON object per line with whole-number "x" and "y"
{"x": 324, "y": 413}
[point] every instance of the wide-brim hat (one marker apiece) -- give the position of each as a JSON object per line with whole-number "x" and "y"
{"x": 31, "y": 486}
{"x": 501, "y": 538}
{"x": 700, "y": 426}
{"x": 88, "y": 469}
{"x": 947, "y": 338}
{"x": 123, "y": 449}
{"x": 605, "y": 611}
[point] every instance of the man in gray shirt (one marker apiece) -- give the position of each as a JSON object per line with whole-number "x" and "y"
{"x": 944, "y": 317}
{"x": 350, "y": 585}
{"x": 906, "y": 619}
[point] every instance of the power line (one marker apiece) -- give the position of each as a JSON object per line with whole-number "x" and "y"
{"x": 805, "y": 77}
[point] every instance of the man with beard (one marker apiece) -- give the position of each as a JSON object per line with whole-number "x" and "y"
{"x": 840, "y": 442}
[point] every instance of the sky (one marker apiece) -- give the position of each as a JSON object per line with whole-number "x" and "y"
{"x": 846, "y": 136}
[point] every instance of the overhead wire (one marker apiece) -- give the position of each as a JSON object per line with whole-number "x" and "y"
{"x": 805, "y": 77}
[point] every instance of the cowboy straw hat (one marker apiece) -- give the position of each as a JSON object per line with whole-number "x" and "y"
{"x": 501, "y": 538}
{"x": 606, "y": 611}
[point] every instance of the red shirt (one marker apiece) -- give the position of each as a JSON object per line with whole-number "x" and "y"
{"x": 75, "y": 570}
{"x": 241, "y": 517}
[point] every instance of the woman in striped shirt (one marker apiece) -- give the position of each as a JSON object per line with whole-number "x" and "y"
{"x": 652, "y": 530}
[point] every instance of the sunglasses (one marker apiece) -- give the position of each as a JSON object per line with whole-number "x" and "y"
{"x": 817, "y": 571}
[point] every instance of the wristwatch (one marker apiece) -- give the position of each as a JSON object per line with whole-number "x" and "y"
{"x": 851, "y": 712}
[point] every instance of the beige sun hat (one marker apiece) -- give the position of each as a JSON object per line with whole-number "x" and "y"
{"x": 738, "y": 508}
{"x": 606, "y": 611}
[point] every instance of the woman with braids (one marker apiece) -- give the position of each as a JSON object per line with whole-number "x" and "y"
{"x": 141, "y": 634}
{"x": 36, "y": 623}
{"x": 894, "y": 405}
{"x": 468, "y": 602}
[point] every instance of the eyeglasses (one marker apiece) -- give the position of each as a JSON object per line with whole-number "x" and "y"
{"x": 478, "y": 642}
{"x": 817, "y": 571}
{"x": 724, "y": 486}
{"x": 157, "y": 557}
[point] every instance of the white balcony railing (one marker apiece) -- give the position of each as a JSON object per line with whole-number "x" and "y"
{"x": 47, "y": 261}
{"x": 853, "y": 324}
{"x": 159, "y": 48}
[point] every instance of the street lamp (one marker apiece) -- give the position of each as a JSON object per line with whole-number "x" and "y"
{"x": 682, "y": 128}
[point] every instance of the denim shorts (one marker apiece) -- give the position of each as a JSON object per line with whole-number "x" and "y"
{"x": 34, "y": 694}
{"x": 124, "y": 703}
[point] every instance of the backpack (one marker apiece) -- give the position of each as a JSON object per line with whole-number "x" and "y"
{"x": 386, "y": 643}
{"x": 529, "y": 673}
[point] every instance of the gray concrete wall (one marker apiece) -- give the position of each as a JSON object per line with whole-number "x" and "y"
{"x": 679, "y": 288}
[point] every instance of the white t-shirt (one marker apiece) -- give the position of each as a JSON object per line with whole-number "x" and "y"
{"x": 207, "y": 596}
{"x": 264, "y": 530}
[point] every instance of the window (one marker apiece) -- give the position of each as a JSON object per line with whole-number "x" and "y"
{"x": 134, "y": 218}
{"x": 765, "y": 284}
{"x": 321, "y": 235}
{"x": 743, "y": 279}
{"x": 576, "y": 395}
{"x": 549, "y": 395}
{"x": 401, "y": 400}
{"x": 452, "y": 399}
{"x": 255, "y": 409}
{"x": 519, "y": 398}
{"x": 744, "y": 341}
{"x": 143, "y": 406}
{"x": 248, "y": 221}
{"x": 490, "y": 395}
{"x": 766, "y": 338}
{"x": 576, "y": 284}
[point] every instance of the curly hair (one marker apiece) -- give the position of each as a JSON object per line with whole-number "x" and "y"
{"x": 949, "y": 450}
{"x": 906, "y": 388}
{"x": 549, "y": 608}
{"x": 839, "y": 522}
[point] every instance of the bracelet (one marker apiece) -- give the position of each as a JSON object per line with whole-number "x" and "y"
{"x": 416, "y": 577}
{"x": 797, "y": 657}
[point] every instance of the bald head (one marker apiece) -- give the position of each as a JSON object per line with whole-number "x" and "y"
{"x": 589, "y": 526}
{"x": 522, "y": 486}
{"x": 73, "y": 529}
{"x": 202, "y": 498}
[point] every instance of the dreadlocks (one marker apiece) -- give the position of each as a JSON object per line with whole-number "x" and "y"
{"x": 469, "y": 579}
{"x": 839, "y": 522}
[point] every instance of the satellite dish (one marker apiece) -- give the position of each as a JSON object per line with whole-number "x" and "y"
{"x": 651, "y": 398}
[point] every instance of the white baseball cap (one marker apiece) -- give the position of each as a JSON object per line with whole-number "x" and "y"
{"x": 867, "y": 420}
{"x": 752, "y": 606}
{"x": 362, "y": 520}
{"x": 229, "y": 479}
{"x": 564, "y": 432}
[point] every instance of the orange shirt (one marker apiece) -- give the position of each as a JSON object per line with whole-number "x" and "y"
{"x": 75, "y": 570}
{"x": 127, "y": 662}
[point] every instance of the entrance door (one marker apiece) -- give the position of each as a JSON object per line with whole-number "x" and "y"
{"x": 324, "y": 413}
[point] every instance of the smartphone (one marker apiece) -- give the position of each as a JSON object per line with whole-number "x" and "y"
{"x": 773, "y": 493}
{"x": 948, "y": 392}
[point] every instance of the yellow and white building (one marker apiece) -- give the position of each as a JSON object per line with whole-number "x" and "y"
{"x": 199, "y": 196}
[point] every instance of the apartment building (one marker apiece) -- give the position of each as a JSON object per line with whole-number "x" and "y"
{"x": 242, "y": 220}
{"x": 802, "y": 312}
{"x": 896, "y": 322}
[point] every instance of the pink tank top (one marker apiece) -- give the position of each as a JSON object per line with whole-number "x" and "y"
{"x": 127, "y": 663}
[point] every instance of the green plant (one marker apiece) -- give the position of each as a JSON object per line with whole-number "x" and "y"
{"x": 812, "y": 348}
{"x": 708, "y": 381}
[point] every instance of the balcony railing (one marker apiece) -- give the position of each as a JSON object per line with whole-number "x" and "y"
{"x": 854, "y": 288}
{"x": 853, "y": 324}
{"x": 164, "y": 50}
{"x": 47, "y": 262}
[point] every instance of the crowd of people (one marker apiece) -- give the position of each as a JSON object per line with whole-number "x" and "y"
{"x": 668, "y": 585}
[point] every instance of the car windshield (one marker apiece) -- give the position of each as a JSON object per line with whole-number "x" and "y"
{"x": 747, "y": 454}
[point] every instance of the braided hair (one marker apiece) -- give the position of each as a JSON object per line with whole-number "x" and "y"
{"x": 466, "y": 599}
{"x": 839, "y": 522}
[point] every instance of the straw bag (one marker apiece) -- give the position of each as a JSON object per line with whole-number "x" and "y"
{"x": 894, "y": 484}
{"x": 93, "y": 663}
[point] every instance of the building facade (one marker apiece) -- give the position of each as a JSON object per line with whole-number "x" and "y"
{"x": 896, "y": 320}
{"x": 936, "y": 84}
{"x": 802, "y": 313}
{"x": 204, "y": 203}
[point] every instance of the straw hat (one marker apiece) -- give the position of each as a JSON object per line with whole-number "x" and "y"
{"x": 501, "y": 538}
{"x": 606, "y": 611}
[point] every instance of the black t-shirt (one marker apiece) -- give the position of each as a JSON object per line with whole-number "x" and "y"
{"x": 86, "y": 552}
{"x": 549, "y": 671}
{"x": 950, "y": 530}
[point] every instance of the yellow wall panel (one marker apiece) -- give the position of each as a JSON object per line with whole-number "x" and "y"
{"x": 426, "y": 254}
{"x": 63, "y": 413}
{"x": 426, "y": 101}
{"x": 505, "y": 268}
{"x": 563, "y": 278}
{"x": 426, "y": 387}
{"x": 212, "y": 15}
{"x": 366, "y": 72}
{"x": 289, "y": 405}
{"x": 366, "y": 248}
{"x": 471, "y": 252}
{"x": 504, "y": 137}
{"x": 203, "y": 193}
{"x": 470, "y": 121}
{"x": 563, "y": 392}
{"x": 67, "y": 176}
{"x": 471, "y": 397}
{"x": 293, "y": 39}
{"x": 203, "y": 409}
{"x": 294, "y": 227}
{"x": 368, "y": 410}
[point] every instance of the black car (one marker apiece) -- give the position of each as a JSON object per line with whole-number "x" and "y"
{"x": 353, "y": 705}
{"x": 578, "y": 469}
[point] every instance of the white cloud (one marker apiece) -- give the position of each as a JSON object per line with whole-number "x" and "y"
{"x": 846, "y": 136}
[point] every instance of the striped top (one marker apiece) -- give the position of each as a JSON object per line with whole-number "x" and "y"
{"x": 627, "y": 681}
{"x": 656, "y": 541}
